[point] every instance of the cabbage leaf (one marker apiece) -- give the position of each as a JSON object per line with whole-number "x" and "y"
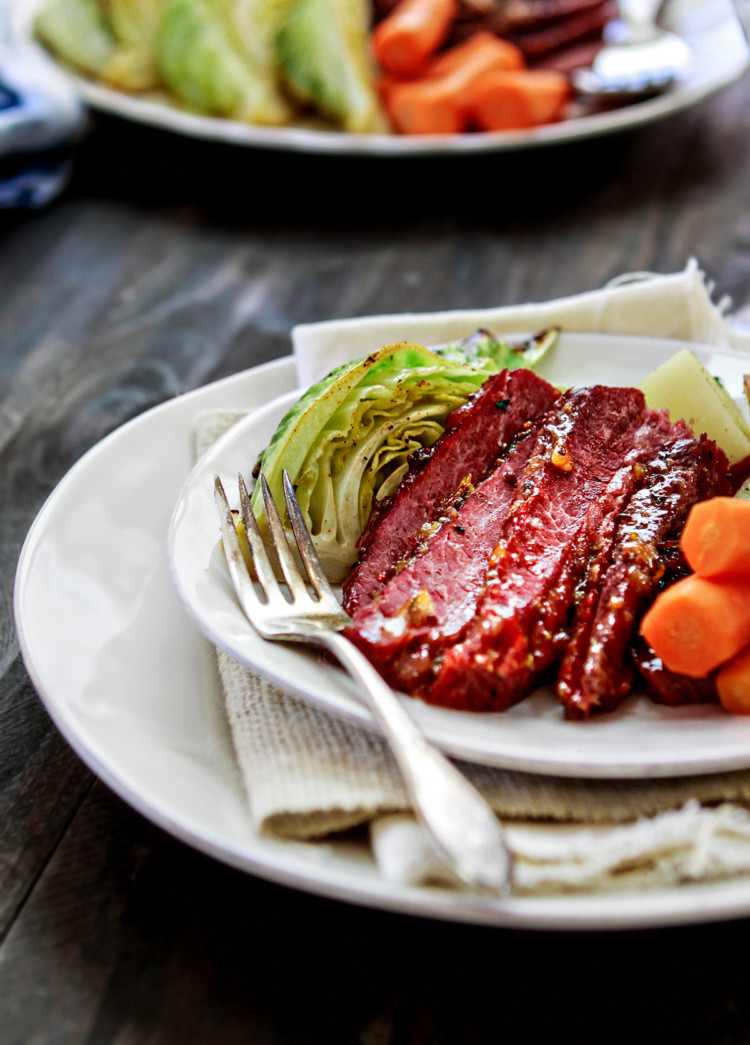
{"x": 325, "y": 57}
{"x": 486, "y": 350}
{"x": 198, "y": 59}
{"x": 135, "y": 24}
{"x": 78, "y": 31}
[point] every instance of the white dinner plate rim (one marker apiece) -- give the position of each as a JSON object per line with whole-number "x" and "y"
{"x": 168, "y": 117}
{"x": 334, "y": 879}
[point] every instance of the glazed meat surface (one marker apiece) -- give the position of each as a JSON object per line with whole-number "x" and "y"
{"x": 595, "y": 672}
{"x": 546, "y": 564}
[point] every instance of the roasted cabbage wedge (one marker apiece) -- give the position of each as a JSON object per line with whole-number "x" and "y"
{"x": 262, "y": 62}
{"x": 135, "y": 24}
{"x": 325, "y": 58}
{"x": 200, "y": 64}
{"x": 78, "y": 32}
{"x": 347, "y": 440}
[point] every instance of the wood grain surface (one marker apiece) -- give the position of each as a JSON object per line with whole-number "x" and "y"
{"x": 167, "y": 265}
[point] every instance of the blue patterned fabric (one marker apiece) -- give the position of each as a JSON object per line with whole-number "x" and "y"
{"x": 41, "y": 119}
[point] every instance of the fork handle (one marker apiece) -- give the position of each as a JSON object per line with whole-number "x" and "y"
{"x": 464, "y": 831}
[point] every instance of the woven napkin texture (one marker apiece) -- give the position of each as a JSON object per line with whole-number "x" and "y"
{"x": 309, "y": 774}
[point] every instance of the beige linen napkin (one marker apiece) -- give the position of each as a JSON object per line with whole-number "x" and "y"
{"x": 309, "y": 774}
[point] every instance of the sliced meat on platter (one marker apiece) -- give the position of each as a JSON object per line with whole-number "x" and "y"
{"x": 543, "y": 568}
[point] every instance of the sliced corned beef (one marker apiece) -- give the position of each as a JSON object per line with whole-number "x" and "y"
{"x": 476, "y": 435}
{"x": 427, "y": 603}
{"x": 595, "y": 673}
{"x": 547, "y": 564}
{"x": 543, "y": 548}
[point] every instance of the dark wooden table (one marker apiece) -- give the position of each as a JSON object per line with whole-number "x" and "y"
{"x": 168, "y": 265}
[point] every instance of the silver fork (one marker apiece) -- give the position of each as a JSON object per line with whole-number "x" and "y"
{"x": 465, "y": 834}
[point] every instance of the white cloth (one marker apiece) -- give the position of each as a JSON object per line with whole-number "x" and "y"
{"x": 692, "y": 843}
{"x": 309, "y": 774}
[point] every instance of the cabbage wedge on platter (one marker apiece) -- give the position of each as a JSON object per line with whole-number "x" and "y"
{"x": 264, "y": 62}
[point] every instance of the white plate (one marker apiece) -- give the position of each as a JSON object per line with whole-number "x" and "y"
{"x": 639, "y": 739}
{"x": 134, "y": 688}
{"x": 710, "y": 26}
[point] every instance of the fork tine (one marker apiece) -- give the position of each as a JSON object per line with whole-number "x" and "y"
{"x": 304, "y": 542}
{"x": 262, "y": 564}
{"x": 280, "y": 542}
{"x": 238, "y": 570}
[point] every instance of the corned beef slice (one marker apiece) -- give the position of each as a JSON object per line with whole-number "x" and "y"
{"x": 654, "y": 436}
{"x": 427, "y": 604}
{"x": 543, "y": 547}
{"x": 475, "y": 436}
{"x": 574, "y": 591}
{"x": 594, "y": 673}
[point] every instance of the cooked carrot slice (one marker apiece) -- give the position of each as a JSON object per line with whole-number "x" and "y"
{"x": 699, "y": 623}
{"x": 514, "y": 99}
{"x": 439, "y": 102}
{"x": 733, "y": 683}
{"x": 716, "y": 537}
{"x": 407, "y": 37}
{"x": 482, "y": 47}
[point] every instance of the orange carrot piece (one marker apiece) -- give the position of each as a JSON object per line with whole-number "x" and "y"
{"x": 716, "y": 537}
{"x": 404, "y": 40}
{"x": 439, "y": 101}
{"x": 384, "y": 84}
{"x": 521, "y": 98}
{"x": 733, "y": 684}
{"x": 498, "y": 54}
{"x": 699, "y": 623}
{"x": 423, "y": 107}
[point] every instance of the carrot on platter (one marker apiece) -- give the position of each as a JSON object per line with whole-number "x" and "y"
{"x": 716, "y": 537}
{"x": 423, "y": 107}
{"x": 439, "y": 102}
{"x": 699, "y": 623}
{"x": 511, "y": 99}
{"x": 480, "y": 47}
{"x": 407, "y": 37}
{"x": 733, "y": 683}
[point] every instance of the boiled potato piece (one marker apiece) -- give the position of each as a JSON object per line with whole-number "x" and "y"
{"x": 683, "y": 386}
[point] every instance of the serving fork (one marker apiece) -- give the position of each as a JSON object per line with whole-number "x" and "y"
{"x": 465, "y": 834}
